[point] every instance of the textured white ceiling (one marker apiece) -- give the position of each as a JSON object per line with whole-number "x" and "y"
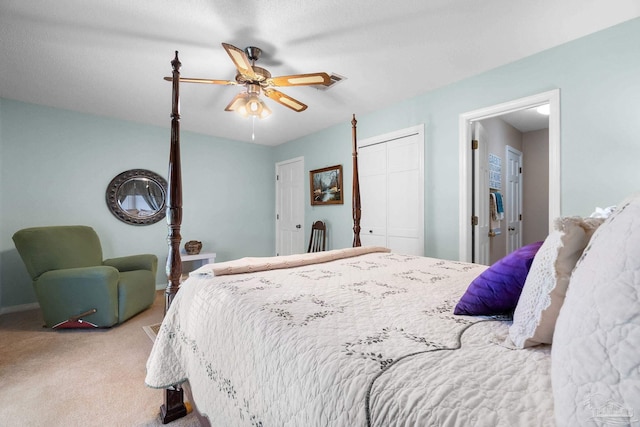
{"x": 109, "y": 57}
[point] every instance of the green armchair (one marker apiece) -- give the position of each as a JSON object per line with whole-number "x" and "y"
{"x": 71, "y": 278}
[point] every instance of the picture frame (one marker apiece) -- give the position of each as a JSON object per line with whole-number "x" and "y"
{"x": 325, "y": 186}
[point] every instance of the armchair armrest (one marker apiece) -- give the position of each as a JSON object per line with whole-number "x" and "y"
{"x": 134, "y": 262}
{"x": 68, "y": 292}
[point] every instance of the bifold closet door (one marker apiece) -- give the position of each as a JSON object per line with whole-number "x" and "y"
{"x": 391, "y": 185}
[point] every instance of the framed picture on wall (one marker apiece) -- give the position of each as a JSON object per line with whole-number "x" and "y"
{"x": 326, "y": 186}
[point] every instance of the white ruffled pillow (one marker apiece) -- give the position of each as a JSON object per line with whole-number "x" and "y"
{"x": 595, "y": 368}
{"x": 546, "y": 285}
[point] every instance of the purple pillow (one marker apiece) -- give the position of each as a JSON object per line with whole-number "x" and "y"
{"x": 497, "y": 289}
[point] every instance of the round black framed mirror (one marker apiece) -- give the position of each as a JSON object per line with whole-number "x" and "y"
{"x": 138, "y": 197}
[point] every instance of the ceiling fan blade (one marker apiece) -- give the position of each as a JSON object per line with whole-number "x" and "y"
{"x": 240, "y": 60}
{"x": 301, "y": 80}
{"x": 207, "y": 81}
{"x": 236, "y": 102}
{"x": 285, "y": 100}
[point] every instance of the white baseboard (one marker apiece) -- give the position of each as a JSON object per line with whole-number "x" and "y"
{"x": 35, "y": 305}
{"x": 17, "y": 308}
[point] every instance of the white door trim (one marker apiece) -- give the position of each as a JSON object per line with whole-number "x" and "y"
{"x": 464, "y": 133}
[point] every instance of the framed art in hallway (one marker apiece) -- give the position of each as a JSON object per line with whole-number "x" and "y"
{"x": 326, "y": 186}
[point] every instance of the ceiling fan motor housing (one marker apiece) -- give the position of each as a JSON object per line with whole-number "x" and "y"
{"x": 253, "y": 89}
{"x": 253, "y": 53}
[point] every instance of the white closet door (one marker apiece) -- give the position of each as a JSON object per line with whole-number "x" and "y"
{"x": 392, "y": 191}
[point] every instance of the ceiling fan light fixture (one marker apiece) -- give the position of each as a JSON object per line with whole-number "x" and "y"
{"x": 238, "y": 104}
{"x": 252, "y": 105}
{"x": 242, "y": 110}
{"x": 266, "y": 111}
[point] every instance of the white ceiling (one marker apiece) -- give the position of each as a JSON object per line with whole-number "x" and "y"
{"x": 109, "y": 57}
{"x": 527, "y": 120}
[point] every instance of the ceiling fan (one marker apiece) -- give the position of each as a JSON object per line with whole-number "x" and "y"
{"x": 256, "y": 80}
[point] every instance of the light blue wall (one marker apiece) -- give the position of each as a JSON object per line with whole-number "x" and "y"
{"x": 599, "y": 83}
{"x": 56, "y": 166}
{"x": 327, "y": 148}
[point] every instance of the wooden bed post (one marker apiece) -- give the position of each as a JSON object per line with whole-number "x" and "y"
{"x": 356, "y": 187}
{"x": 174, "y": 193}
{"x": 173, "y": 407}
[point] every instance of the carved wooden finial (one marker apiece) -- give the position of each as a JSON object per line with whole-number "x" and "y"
{"x": 176, "y": 64}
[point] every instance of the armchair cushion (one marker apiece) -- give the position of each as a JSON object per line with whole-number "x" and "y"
{"x": 136, "y": 292}
{"x": 69, "y": 292}
{"x": 54, "y": 248}
{"x": 133, "y": 262}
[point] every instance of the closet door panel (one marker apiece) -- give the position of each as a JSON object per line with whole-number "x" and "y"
{"x": 404, "y": 154}
{"x": 373, "y": 190}
{"x": 405, "y": 201}
{"x": 404, "y": 205}
{"x": 373, "y": 224}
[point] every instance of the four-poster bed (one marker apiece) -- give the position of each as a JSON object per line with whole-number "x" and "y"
{"x": 173, "y": 407}
{"x": 355, "y": 336}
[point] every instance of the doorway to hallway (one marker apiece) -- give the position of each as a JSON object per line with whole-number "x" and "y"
{"x": 473, "y": 214}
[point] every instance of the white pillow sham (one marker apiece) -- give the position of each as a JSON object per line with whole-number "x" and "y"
{"x": 546, "y": 284}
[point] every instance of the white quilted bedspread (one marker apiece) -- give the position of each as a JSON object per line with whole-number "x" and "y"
{"x": 360, "y": 341}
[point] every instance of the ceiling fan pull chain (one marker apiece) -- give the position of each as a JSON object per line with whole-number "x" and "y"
{"x": 253, "y": 128}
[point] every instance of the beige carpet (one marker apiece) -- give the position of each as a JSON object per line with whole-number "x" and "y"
{"x": 78, "y": 377}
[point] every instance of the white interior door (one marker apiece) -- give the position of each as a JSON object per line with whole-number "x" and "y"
{"x": 391, "y": 172}
{"x": 481, "y": 244}
{"x": 513, "y": 196}
{"x": 290, "y": 207}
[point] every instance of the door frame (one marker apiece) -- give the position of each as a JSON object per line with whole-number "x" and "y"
{"x": 279, "y": 195}
{"x": 552, "y": 98}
